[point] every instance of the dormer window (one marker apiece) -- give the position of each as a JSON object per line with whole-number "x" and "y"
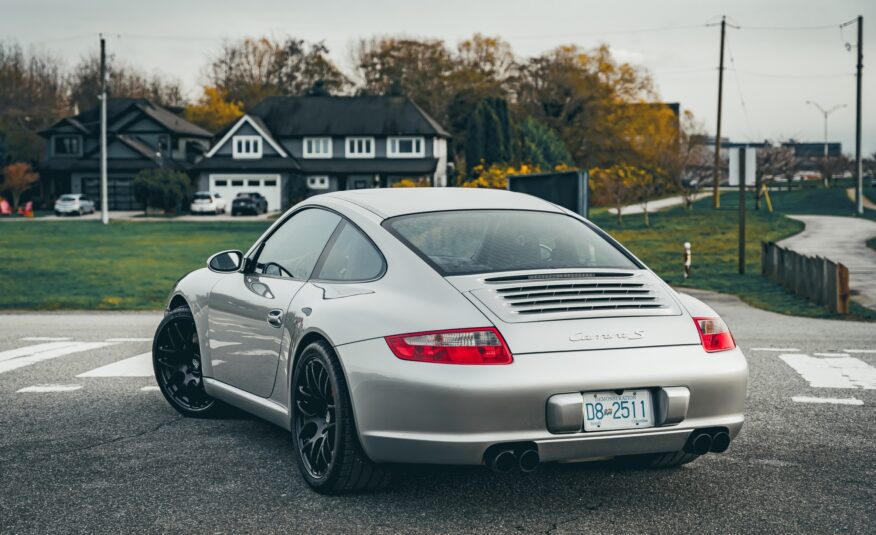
{"x": 67, "y": 146}
{"x": 246, "y": 147}
{"x": 317, "y": 147}
{"x": 406, "y": 147}
{"x": 360, "y": 147}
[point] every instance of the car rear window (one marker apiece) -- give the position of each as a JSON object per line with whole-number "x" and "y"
{"x": 68, "y": 198}
{"x": 486, "y": 241}
{"x": 202, "y": 197}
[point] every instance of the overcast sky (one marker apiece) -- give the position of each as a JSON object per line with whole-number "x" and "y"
{"x": 772, "y": 68}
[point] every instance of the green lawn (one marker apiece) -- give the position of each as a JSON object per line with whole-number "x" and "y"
{"x": 122, "y": 266}
{"x": 76, "y": 264}
{"x": 714, "y": 239}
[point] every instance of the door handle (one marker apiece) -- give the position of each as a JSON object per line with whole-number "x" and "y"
{"x": 275, "y": 317}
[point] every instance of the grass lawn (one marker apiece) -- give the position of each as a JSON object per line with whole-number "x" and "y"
{"x": 75, "y": 264}
{"x": 122, "y": 266}
{"x": 714, "y": 239}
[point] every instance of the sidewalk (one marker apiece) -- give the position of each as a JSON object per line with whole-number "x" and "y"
{"x": 841, "y": 239}
{"x": 128, "y": 215}
{"x": 658, "y": 204}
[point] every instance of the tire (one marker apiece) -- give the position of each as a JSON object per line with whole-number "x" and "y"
{"x": 325, "y": 442}
{"x": 657, "y": 460}
{"x": 176, "y": 361}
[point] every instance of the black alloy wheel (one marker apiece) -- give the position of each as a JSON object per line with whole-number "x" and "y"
{"x": 315, "y": 423}
{"x": 330, "y": 457}
{"x": 176, "y": 359}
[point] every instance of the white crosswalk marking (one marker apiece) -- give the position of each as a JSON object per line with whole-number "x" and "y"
{"x": 776, "y": 349}
{"x": 30, "y": 350}
{"x": 833, "y": 401}
{"x": 44, "y": 338}
{"x": 833, "y": 372}
{"x": 136, "y": 366}
{"x": 29, "y": 356}
{"x": 128, "y": 339}
{"x": 150, "y": 389}
{"x": 860, "y": 350}
{"x": 50, "y": 388}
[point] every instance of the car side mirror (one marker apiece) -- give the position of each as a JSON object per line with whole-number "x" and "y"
{"x": 225, "y": 262}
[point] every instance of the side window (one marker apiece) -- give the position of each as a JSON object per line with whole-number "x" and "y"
{"x": 352, "y": 257}
{"x": 293, "y": 249}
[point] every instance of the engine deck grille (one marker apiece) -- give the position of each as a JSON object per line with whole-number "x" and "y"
{"x": 585, "y": 294}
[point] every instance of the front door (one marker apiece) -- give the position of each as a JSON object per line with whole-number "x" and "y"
{"x": 248, "y": 311}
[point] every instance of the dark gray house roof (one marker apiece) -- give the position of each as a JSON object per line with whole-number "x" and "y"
{"x": 88, "y": 122}
{"x": 348, "y": 116}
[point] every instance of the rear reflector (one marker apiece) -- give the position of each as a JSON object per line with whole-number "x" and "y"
{"x": 714, "y": 334}
{"x": 459, "y": 346}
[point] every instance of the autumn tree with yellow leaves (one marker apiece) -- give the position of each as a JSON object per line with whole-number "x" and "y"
{"x": 214, "y": 110}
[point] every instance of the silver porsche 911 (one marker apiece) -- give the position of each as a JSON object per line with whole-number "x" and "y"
{"x": 450, "y": 326}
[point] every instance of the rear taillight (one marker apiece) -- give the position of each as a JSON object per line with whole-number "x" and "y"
{"x": 714, "y": 334}
{"x": 482, "y": 345}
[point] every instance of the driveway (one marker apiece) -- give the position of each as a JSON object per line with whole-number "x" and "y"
{"x": 88, "y": 445}
{"x": 841, "y": 239}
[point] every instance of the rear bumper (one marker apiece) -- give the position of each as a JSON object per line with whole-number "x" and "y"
{"x": 67, "y": 209}
{"x": 203, "y": 209}
{"x": 444, "y": 414}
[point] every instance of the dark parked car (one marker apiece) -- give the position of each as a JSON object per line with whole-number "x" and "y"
{"x": 249, "y": 203}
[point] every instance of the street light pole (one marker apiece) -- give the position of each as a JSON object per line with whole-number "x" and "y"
{"x": 104, "y": 200}
{"x": 826, "y": 114}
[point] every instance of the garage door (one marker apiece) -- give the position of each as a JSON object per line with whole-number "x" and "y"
{"x": 228, "y": 186}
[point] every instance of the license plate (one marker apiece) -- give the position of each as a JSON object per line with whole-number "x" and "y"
{"x": 630, "y": 409}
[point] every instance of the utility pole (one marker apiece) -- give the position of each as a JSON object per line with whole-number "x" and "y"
{"x": 716, "y": 175}
{"x": 859, "y": 175}
{"x": 104, "y": 199}
{"x": 826, "y": 114}
{"x": 742, "y": 177}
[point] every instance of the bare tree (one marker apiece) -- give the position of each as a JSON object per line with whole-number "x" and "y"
{"x": 775, "y": 161}
{"x": 123, "y": 81}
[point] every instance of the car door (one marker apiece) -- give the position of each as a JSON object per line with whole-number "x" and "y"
{"x": 247, "y": 316}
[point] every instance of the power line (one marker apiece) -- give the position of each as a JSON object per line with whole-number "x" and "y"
{"x": 612, "y": 32}
{"x": 739, "y": 90}
{"x": 800, "y": 76}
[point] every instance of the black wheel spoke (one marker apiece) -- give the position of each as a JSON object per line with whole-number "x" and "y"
{"x": 315, "y": 423}
{"x": 179, "y": 364}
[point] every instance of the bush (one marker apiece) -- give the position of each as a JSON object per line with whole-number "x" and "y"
{"x": 161, "y": 188}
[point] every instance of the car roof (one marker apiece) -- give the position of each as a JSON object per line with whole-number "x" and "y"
{"x": 391, "y": 202}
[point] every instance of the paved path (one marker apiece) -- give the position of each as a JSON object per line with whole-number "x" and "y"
{"x": 868, "y": 204}
{"x": 658, "y": 204}
{"x": 841, "y": 239}
{"x": 89, "y": 446}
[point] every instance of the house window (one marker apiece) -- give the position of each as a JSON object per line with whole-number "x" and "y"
{"x": 406, "y": 147}
{"x": 360, "y": 147}
{"x": 67, "y": 146}
{"x": 318, "y": 182}
{"x": 243, "y": 147}
{"x": 221, "y": 183}
{"x": 164, "y": 145}
{"x": 317, "y": 147}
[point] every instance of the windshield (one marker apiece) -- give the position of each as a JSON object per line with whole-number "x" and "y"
{"x": 485, "y": 241}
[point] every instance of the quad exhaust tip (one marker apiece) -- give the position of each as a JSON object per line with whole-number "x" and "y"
{"x": 506, "y": 460}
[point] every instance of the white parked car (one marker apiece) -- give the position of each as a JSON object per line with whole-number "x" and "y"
{"x": 207, "y": 202}
{"x": 73, "y": 203}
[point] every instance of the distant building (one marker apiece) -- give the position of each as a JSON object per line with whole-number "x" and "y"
{"x": 287, "y": 148}
{"x": 140, "y": 135}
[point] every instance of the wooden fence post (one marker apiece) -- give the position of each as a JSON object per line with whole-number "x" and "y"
{"x": 843, "y": 292}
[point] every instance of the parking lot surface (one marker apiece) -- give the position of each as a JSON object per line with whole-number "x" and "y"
{"x": 88, "y": 445}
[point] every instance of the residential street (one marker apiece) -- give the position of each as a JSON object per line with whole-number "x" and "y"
{"x": 841, "y": 239}
{"x": 89, "y": 446}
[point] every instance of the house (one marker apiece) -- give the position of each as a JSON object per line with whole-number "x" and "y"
{"x": 288, "y": 148}
{"x": 140, "y": 135}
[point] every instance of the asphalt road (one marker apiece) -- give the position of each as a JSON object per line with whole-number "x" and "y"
{"x": 109, "y": 457}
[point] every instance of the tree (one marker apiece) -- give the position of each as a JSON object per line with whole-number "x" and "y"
{"x": 540, "y": 145}
{"x": 417, "y": 69}
{"x": 18, "y": 178}
{"x": 123, "y": 81}
{"x": 832, "y": 166}
{"x": 250, "y": 70}
{"x": 161, "y": 188}
{"x": 774, "y": 161}
{"x": 616, "y": 185}
{"x": 213, "y": 111}
{"x": 490, "y": 135}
